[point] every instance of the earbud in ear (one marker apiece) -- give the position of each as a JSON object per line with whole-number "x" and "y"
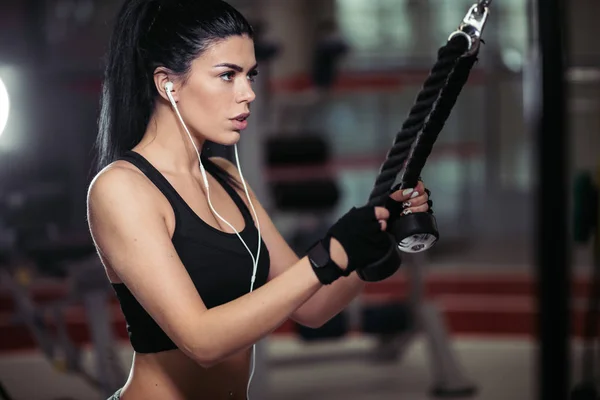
{"x": 169, "y": 89}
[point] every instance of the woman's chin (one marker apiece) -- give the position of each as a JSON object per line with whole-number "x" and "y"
{"x": 228, "y": 139}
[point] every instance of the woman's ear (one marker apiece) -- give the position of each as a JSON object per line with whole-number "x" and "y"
{"x": 161, "y": 78}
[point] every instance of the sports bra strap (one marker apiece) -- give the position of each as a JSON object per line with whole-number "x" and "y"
{"x": 172, "y": 195}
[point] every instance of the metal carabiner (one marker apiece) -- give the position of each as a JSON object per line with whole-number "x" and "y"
{"x": 482, "y": 5}
{"x": 473, "y": 24}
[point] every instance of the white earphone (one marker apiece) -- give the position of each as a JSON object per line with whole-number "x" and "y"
{"x": 168, "y": 90}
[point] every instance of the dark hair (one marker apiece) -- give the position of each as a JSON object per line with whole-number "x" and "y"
{"x": 149, "y": 34}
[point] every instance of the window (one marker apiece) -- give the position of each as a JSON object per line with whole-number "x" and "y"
{"x": 375, "y": 29}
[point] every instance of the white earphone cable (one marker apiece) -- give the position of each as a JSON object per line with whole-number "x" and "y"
{"x": 253, "y": 358}
{"x": 168, "y": 89}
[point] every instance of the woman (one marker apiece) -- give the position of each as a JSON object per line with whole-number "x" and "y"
{"x": 200, "y": 278}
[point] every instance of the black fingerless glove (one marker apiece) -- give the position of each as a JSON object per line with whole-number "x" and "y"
{"x": 360, "y": 234}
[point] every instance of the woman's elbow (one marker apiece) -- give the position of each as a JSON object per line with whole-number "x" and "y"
{"x": 203, "y": 355}
{"x": 314, "y": 324}
{"x": 310, "y": 320}
{"x": 205, "y": 362}
{"x": 201, "y": 358}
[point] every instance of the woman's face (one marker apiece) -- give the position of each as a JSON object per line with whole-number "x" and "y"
{"x": 215, "y": 99}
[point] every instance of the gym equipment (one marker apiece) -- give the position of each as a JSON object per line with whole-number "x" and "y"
{"x": 585, "y": 391}
{"x": 449, "y": 378}
{"x": 48, "y": 327}
{"x": 313, "y": 194}
{"x": 34, "y": 249}
{"x": 4, "y": 394}
{"x": 307, "y": 148}
{"x": 552, "y": 228}
{"x": 329, "y": 49}
{"x": 265, "y": 50}
{"x": 386, "y": 319}
{"x": 317, "y": 195}
{"x": 586, "y": 210}
{"x": 395, "y": 325}
{"x": 401, "y": 169}
{"x": 404, "y": 162}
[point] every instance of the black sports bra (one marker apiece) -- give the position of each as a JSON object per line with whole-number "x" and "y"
{"x": 217, "y": 262}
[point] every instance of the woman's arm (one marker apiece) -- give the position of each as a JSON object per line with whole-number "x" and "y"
{"x": 328, "y": 300}
{"x": 133, "y": 239}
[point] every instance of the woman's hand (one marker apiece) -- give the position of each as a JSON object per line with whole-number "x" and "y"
{"x": 400, "y": 202}
{"x": 357, "y": 238}
{"x": 410, "y": 200}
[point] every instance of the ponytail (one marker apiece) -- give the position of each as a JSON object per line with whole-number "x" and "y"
{"x": 127, "y": 91}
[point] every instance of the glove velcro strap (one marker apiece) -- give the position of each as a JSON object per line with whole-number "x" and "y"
{"x": 325, "y": 268}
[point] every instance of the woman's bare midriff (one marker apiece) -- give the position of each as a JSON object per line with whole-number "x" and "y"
{"x": 174, "y": 376}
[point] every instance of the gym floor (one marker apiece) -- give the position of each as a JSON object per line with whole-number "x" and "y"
{"x": 501, "y": 368}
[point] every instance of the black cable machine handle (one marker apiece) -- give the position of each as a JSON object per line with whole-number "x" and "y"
{"x": 432, "y": 107}
{"x": 413, "y": 144}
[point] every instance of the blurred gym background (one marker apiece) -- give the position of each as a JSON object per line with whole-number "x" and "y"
{"x": 338, "y": 78}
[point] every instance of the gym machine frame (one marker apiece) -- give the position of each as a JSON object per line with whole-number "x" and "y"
{"x": 87, "y": 286}
{"x": 552, "y": 247}
{"x": 587, "y": 229}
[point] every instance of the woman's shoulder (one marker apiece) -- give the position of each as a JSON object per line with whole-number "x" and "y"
{"x": 120, "y": 181}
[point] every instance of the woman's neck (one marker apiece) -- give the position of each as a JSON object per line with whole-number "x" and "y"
{"x": 167, "y": 143}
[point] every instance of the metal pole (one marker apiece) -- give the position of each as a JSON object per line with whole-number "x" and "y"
{"x": 552, "y": 246}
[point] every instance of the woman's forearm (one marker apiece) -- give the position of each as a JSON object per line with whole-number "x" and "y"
{"x": 235, "y": 326}
{"x": 329, "y": 301}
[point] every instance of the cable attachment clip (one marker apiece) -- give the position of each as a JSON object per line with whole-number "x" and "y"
{"x": 472, "y": 25}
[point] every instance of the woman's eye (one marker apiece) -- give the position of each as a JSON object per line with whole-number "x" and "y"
{"x": 252, "y": 76}
{"x": 228, "y": 76}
